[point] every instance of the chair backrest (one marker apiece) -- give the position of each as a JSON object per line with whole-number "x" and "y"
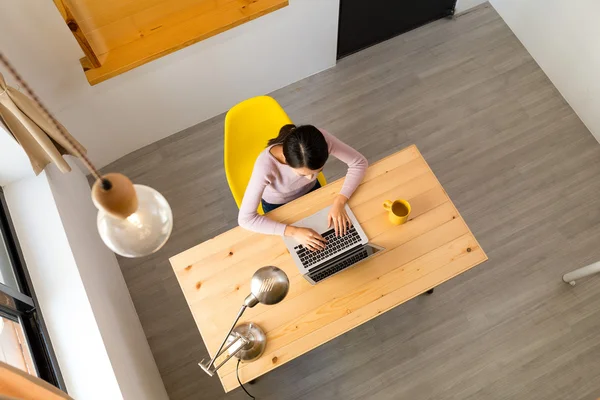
{"x": 248, "y": 127}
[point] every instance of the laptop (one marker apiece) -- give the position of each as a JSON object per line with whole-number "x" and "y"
{"x": 340, "y": 253}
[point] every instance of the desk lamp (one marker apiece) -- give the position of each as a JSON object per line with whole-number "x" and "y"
{"x": 269, "y": 285}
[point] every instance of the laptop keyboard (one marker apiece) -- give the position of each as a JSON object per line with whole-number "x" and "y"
{"x": 335, "y": 245}
{"x": 348, "y": 262}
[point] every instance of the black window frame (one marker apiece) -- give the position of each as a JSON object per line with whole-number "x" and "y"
{"x": 22, "y": 305}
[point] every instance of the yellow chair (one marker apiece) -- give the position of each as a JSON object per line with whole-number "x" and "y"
{"x": 248, "y": 127}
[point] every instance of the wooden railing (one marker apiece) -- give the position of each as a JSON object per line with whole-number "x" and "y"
{"x": 91, "y": 60}
{"x": 117, "y": 36}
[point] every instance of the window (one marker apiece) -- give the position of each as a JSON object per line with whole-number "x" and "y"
{"x": 24, "y": 341}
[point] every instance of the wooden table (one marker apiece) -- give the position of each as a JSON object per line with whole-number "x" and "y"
{"x": 432, "y": 247}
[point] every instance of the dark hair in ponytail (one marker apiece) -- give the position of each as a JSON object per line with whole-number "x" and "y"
{"x": 303, "y": 146}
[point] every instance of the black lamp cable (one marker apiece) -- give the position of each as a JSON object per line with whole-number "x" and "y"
{"x": 237, "y": 375}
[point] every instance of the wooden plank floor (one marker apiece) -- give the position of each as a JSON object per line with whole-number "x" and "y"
{"x": 521, "y": 168}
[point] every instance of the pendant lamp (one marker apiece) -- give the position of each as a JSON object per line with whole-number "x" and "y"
{"x": 133, "y": 220}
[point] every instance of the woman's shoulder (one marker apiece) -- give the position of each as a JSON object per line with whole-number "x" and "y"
{"x": 264, "y": 161}
{"x": 264, "y": 157}
{"x": 327, "y": 135}
{"x": 329, "y": 138}
{"x": 325, "y": 132}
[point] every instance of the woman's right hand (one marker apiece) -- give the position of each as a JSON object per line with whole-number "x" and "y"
{"x": 307, "y": 237}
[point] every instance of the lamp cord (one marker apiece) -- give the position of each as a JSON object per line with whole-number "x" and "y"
{"x": 44, "y": 111}
{"x": 237, "y": 375}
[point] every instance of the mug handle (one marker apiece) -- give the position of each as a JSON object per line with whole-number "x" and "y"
{"x": 388, "y": 205}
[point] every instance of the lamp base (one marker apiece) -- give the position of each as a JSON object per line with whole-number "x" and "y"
{"x": 257, "y": 340}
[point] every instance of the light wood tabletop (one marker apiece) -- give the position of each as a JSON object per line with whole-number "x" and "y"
{"x": 432, "y": 247}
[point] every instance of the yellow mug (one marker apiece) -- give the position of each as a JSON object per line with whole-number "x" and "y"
{"x": 399, "y": 211}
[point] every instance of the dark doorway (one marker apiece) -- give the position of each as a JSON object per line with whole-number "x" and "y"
{"x": 364, "y": 23}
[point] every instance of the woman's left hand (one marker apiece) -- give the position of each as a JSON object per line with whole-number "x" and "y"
{"x": 337, "y": 217}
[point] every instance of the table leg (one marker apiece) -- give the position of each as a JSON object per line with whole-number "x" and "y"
{"x": 430, "y": 291}
{"x": 583, "y": 272}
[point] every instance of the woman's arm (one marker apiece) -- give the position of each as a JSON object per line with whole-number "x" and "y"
{"x": 357, "y": 163}
{"x": 357, "y": 167}
{"x": 248, "y": 218}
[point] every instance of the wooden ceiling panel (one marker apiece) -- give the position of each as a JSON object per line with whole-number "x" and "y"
{"x": 124, "y": 34}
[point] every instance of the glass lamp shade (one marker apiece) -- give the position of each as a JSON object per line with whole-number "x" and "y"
{"x": 143, "y": 232}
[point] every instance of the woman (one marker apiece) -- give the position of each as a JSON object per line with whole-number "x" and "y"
{"x": 288, "y": 169}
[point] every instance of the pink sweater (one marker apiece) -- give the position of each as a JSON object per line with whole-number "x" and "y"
{"x": 278, "y": 184}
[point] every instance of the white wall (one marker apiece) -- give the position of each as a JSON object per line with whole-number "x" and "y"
{"x": 174, "y": 92}
{"x": 121, "y": 330}
{"x": 99, "y": 342}
{"x": 464, "y": 5}
{"x": 563, "y": 37}
{"x": 14, "y": 164}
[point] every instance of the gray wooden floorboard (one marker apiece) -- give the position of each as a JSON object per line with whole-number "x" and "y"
{"x": 520, "y": 166}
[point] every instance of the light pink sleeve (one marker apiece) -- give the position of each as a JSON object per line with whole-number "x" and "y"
{"x": 248, "y": 218}
{"x": 357, "y": 163}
